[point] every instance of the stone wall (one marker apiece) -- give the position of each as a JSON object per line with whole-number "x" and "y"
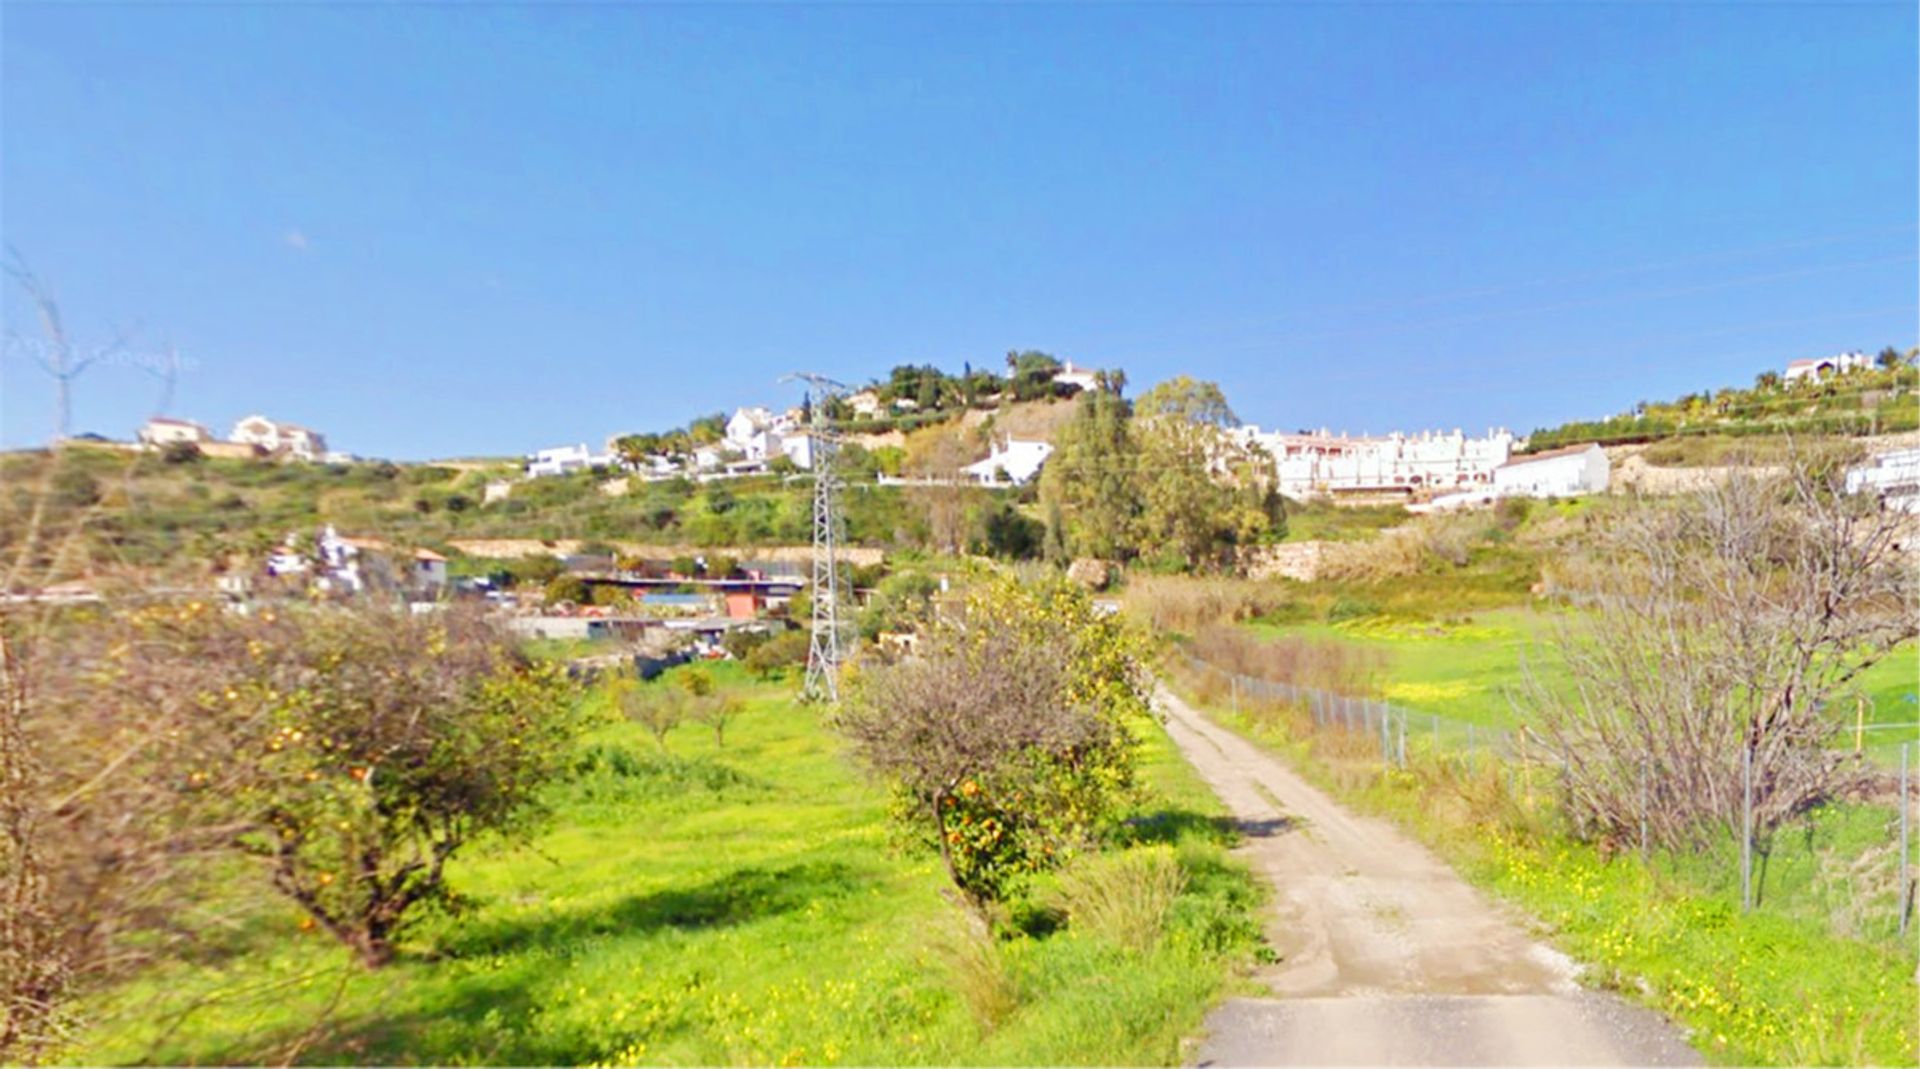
{"x": 513, "y": 548}
{"x": 1300, "y": 561}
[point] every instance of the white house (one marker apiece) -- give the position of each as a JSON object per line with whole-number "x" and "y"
{"x": 1079, "y": 378}
{"x": 746, "y": 424}
{"x": 1893, "y": 477}
{"x": 161, "y": 431}
{"x": 1014, "y": 461}
{"x": 351, "y": 564}
{"x": 280, "y": 439}
{"x": 1827, "y": 365}
{"x": 563, "y": 459}
{"x": 1568, "y": 472}
{"x": 799, "y": 449}
{"x": 866, "y": 404}
{"x": 1315, "y": 463}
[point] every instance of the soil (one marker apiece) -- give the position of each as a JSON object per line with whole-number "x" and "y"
{"x": 1386, "y": 956}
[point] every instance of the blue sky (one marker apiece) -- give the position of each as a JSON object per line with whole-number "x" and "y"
{"x": 435, "y": 230}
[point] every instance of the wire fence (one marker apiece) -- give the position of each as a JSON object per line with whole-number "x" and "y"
{"x": 1400, "y": 734}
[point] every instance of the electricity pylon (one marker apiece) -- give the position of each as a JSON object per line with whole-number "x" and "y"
{"x": 823, "y": 652}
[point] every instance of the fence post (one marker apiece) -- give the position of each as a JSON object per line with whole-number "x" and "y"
{"x": 1643, "y": 812}
{"x": 1746, "y": 829}
{"x": 1906, "y": 879}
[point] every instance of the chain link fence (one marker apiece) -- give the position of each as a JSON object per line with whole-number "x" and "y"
{"x": 1400, "y": 734}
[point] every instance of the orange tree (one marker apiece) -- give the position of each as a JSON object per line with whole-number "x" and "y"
{"x": 1006, "y": 738}
{"x": 378, "y": 744}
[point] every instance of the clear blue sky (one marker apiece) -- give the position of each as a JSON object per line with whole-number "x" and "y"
{"x": 434, "y": 230}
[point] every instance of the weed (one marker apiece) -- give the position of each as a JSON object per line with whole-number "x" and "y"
{"x": 1124, "y": 898}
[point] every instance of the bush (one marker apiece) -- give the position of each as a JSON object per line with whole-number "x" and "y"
{"x": 1124, "y": 899}
{"x": 785, "y": 650}
{"x": 181, "y": 453}
{"x": 568, "y": 588}
{"x": 1173, "y": 603}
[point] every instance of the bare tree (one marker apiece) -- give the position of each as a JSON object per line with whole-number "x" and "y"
{"x": 1722, "y": 624}
{"x": 110, "y": 784}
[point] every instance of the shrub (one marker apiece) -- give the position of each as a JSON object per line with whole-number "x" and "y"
{"x": 181, "y": 453}
{"x": 568, "y": 588}
{"x": 1125, "y": 898}
{"x": 1176, "y": 603}
{"x": 788, "y": 649}
{"x": 1006, "y": 739}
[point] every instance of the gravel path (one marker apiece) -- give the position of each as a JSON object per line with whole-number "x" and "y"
{"x": 1387, "y": 957}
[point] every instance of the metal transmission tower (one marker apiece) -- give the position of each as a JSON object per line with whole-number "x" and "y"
{"x": 823, "y": 655}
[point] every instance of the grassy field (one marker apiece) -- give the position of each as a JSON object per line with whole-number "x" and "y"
{"x": 738, "y": 905}
{"x": 1817, "y": 975}
{"x": 1465, "y": 669}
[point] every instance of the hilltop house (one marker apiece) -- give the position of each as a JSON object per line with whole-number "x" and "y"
{"x": 280, "y": 439}
{"x": 161, "y": 431}
{"x": 1827, "y": 365}
{"x": 1568, "y": 472}
{"x": 563, "y": 459}
{"x": 1078, "y": 378}
{"x": 1013, "y": 461}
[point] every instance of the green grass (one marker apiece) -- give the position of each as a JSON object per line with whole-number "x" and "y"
{"x": 745, "y": 905}
{"x": 1816, "y": 975}
{"x": 1464, "y": 669}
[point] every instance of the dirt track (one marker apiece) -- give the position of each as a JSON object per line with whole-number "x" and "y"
{"x": 1387, "y": 957}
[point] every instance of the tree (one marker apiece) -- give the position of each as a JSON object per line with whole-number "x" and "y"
{"x": 1030, "y": 374}
{"x": 940, "y": 454}
{"x": 1188, "y": 400}
{"x": 568, "y": 588}
{"x": 1004, "y": 531}
{"x": 1007, "y": 739}
{"x": 1727, "y": 623}
{"x": 1090, "y": 480}
{"x": 656, "y": 707}
{"x": 1767, "y": 380}
{"x": 378, "y": 744}
{"x": 634, "y": 449}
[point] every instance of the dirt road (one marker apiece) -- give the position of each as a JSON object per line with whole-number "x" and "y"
{"x": 1387, "y": 957}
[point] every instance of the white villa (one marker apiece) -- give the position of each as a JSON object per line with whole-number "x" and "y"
{"x": 1568, "y": 472}
{"x": 161, "y": 431}
{"x": 1013, "y": 461}
{"x": 1079, "y": 378}
{"x": 1893, "y": 477}
{"x": 1827, "y": 365}
{"x": 1319, "y": 463}
{"x": 350, "y": 565}
{"x": 563, "y": 459}
{"x": 759, "y": 436}
{"x": 280, "y": 439}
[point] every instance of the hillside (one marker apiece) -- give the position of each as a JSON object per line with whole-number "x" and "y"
{"x": 145, "y": 512}
{"x": 1878, "y": 400}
